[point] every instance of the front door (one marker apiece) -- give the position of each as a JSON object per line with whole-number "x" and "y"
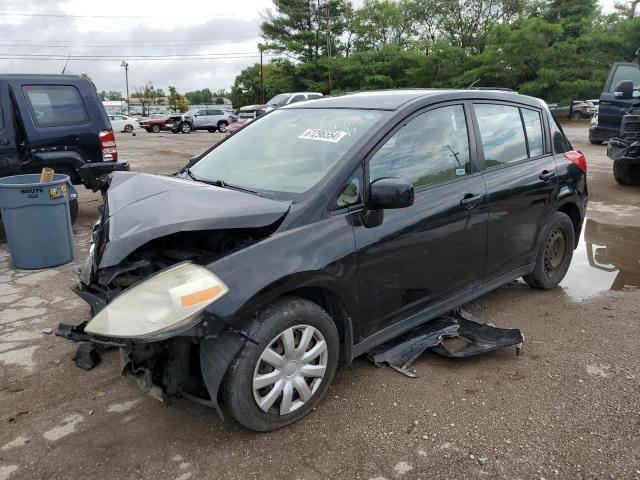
{"x": 422, "y": 255}
{"x": 520, "y": 175}
{"x": 9, "y": 158}
{"x": 612, "y": 108}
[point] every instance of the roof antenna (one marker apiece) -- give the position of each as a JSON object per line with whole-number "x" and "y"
{"x": 65, "y": 64}
{"x": 473, "y": 84}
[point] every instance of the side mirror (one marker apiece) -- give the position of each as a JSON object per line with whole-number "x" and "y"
{"x": 386, "y": 193}
{"x": 624, "y": 90}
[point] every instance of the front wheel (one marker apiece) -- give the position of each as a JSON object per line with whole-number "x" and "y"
{"x": 554, "y": 254}
{"x": 626, "y": 174}
{"x": 185, "y": 127}
{"x": 280, "y": 379}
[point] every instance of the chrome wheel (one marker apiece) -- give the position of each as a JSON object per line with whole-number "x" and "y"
{"x": 290, "y": 370}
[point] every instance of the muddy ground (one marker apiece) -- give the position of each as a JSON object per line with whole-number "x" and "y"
{"x": 568, "y": 407}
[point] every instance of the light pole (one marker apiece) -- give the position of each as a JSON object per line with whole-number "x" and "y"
{"x": 125, "y": 65}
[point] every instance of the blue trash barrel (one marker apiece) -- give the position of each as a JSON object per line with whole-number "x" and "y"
{"x": 36, "y": 220}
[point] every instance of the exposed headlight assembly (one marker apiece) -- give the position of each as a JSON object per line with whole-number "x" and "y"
{"x": 162, "y": 305}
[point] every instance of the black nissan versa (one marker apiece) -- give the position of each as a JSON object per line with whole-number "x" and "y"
{"x": 321, "y": 231}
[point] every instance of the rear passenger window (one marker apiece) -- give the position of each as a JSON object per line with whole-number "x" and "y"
{"x": 560, "y": 142}
{"x": 433, "y": 147}
{"x": 55, "y": 105}
{"x": 502, "y": 134}
{"x": 533, "y": 127}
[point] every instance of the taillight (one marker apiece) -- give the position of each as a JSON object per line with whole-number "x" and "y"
{"x": 108, "y": 145}
{"x": 577, "y": 157}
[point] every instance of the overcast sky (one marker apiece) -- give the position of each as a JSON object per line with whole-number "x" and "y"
{"x": 161, "y": 27}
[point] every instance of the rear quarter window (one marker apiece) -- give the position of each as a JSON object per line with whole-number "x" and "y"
{"x": 55, "y": 105}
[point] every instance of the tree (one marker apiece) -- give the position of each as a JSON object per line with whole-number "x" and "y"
{"x": 381, "y": 22}
{"x": 177, "y": 101}
{"x": 279, "y": 76}
{"x": 111, "y": 95}
{"x": 299, "y": 27}
{"x": 199, "y": 97}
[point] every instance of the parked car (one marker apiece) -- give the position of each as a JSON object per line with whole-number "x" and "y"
{"x": 621, "y": 93}
{"x": 123, "y": 123}
{"x": 321, "y": 231}
{"x": 56, "y": 121}
{"x": 583, "y": 109}
{"x": 154, "y": 122}
{"x": 243, "y": 119}
{"x": 289, "y": 98}
{"x": 210, "y": 119}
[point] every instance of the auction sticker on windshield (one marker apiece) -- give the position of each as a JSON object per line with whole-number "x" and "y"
{"x": 322, "y": 135}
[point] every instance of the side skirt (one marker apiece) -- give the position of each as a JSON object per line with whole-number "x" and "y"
{"x": 430, "y": 313}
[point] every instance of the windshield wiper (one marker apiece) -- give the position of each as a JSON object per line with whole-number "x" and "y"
{"x": 218, "y": 183}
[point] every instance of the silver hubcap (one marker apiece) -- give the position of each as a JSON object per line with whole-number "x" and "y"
{"x": 290, "y": 370}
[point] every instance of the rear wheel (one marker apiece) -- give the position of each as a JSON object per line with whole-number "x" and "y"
{"x": 554, "y": 254}
{"x": 128, "y": 128}
{"x": 626, "y": 174}
{"x": 222, "y": 127}
{"x": 155, "y": 128}
{"x": 279, "y": 380}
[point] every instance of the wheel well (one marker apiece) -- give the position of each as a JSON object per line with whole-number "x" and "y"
{"x": 331, "y": 302}
{"x": 573, "y": 212}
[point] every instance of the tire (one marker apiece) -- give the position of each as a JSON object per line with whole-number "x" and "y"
{"x": 73, "y": 210}
{"x": 576, "y": 116}
{"x": 155, "y": 128}
{"x": 185, "y": 127}
{"x": 626, "y": 174}
{"x": 554, "y": 253}
{"x": 222, "y": 127}
{"x": 211, "y": 130}
{"x": 289, "y": 314}
{"x": 128, "y": 128}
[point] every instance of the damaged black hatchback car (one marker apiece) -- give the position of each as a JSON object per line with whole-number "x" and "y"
{"x": 321, "y": 231}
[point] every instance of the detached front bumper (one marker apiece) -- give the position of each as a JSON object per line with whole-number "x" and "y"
{"x": 91, "y": 172}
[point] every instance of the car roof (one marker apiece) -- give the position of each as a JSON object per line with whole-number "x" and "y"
{"x": 395, "y": 99}
{"x": 44, "y": 77}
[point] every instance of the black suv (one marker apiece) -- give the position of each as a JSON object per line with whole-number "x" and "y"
{"x": 55, "y": 121}
{"x": 617, "y": 98}
{"x": 322, "y": 230}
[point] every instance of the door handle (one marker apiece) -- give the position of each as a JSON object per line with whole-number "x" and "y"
{"x": 470, "y": 200}
{"x": 546, "y": 175}
{"x": 4, "y": 141}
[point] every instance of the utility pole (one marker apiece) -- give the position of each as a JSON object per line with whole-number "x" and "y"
{"x": 261, "y": 48}
{"x": 125, "y": 65}
{"x": 329, "y": 43}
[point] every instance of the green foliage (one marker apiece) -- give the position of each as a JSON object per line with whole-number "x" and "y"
{"x": 200, "y": 97}
{"x": 177, "y": 101}
{"x": 111, "y": 95}
{"x": 557, "y": 50}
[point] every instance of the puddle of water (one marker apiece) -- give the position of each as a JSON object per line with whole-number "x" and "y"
{"x": 607, "y": 258}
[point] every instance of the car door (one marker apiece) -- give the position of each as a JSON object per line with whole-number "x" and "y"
{"x": 200, "y": 119}
{"x": 422, "y": 255}
{"x": 521, "y": 181}
{"x": 216, "y": 116}
{"x": 9, "y": 156}
{"x": 117, "y": 122}
{"x": 612, "y": 108}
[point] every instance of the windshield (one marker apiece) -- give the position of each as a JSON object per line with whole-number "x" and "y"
{"x": 287, "y": 151}
{"x": 279, "y": 100}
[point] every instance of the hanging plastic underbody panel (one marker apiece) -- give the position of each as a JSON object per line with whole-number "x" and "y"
{"x": 456, "y": 334}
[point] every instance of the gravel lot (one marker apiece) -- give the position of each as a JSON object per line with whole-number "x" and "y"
{"x": 568, "y": 407}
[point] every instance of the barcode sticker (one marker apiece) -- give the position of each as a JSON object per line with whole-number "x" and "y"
{"x": 321, "y": 135}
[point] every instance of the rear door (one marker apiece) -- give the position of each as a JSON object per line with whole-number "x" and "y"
{"x": 612, "y": 108}
{"x": 520, "y": 176}
{"x": 9, "y": 158}
{"x": 420, "y": 256}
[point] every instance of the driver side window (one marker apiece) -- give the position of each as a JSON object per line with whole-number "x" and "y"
{"x": 432, "y": 147}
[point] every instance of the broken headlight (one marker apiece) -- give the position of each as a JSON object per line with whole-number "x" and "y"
{"x": 162, "y": 305}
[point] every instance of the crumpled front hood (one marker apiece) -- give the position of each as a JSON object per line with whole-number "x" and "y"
{"x": 143, "y": 207}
